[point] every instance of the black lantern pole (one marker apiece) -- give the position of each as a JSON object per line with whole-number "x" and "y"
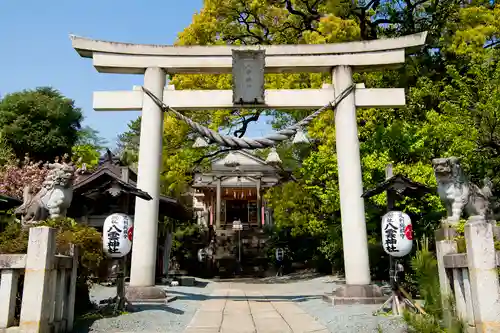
{"x": 397, "y": 187}
{"x": 391, "y": 204}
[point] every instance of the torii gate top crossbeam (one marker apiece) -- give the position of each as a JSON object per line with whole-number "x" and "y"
{"x": 126, "y": 58}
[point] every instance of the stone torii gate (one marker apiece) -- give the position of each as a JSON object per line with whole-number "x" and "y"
{"x": 155, "y": 62}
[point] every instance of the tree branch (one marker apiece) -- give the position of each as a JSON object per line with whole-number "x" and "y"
{"x": 492, "y": 44}
{"x": 220, "y": 151}
{"x": 311, "y": 9}
{"x": 243, "y": 18}
{"x": 308, "y": 18}
{"x": 366, "y": 27}
{"x": 244, "y": 124}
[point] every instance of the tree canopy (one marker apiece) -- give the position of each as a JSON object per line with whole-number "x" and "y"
{"x": 40, "y": 122}
{"x": 452, "y": 95}
{"x": 88, "y": 148}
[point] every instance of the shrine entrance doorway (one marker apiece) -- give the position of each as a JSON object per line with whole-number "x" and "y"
{"x": 238, "y": 210}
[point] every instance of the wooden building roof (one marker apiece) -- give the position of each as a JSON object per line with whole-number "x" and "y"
{"x": 401, "y": 187}
{"x": 111, "y": 173}
{"x": 250, "y": 169}
{"x": 7, "y": 202}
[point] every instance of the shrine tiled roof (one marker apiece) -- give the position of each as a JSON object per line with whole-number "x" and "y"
{"x": 401, "y": 186}
{"x": 7, "y": 202}
{"x": 109, "y": 173}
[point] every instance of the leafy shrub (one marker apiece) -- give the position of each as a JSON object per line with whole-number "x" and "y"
{"x": 460, "y": 238}
{"x": 418, "y": 323}
{"x": 425, "y": 267}
{"x": 312, "y": 252}
{"x": 13, "y": 238}
{"x": 187, "y": 239}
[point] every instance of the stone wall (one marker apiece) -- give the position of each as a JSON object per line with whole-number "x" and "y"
{"x": 471, "y": 278}
{"x": 48, "y": 294}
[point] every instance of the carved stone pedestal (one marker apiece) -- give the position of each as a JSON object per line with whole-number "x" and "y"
{"x": 356, "y": 294}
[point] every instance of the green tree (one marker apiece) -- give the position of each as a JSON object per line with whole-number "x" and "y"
{"x": 6, "y": 153}
{"x": 85, "y": 154}
{"x": 452, "y": 93}
{"x": 128, "y": 142}
{"x": 40, "y": 122}
{"x": 89, "y": 136}
{"x": 88, "y": 148}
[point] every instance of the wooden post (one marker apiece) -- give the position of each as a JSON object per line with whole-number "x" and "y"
{"x": 390, "y": 198}
{"x": 259, "y": 204}
{"x": 120, "y": 284}
{"x": 168, "y": 248}
{"x": 391, "y": 202}
{"x": 218, "y": 204}
{"x": 70, "y": 305}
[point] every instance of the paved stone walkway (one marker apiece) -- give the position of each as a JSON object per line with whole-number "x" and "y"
{"x": 243, "y": 311}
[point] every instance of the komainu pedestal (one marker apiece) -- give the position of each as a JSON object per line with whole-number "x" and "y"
{"x": 356, "y": 294}
{"x": 150, "y": 294}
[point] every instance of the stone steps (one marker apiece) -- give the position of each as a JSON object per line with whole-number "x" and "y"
{"x": 253, "y": 255}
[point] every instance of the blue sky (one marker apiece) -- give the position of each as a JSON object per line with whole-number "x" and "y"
{"x": 36, "y": 49}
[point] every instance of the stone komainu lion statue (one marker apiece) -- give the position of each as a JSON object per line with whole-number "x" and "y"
{"x": 53, "y": 199}
{"x": 457, "y": 193}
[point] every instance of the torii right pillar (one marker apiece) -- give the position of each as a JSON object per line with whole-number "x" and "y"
{"x": 352, "y": 207}
{"x": 358, "y": 287}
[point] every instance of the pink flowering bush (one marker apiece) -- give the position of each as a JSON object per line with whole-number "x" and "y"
{"x": 15, "y": 175}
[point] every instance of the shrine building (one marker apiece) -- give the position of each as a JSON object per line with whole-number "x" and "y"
{"x": 230, "y": 193}
{"x": 224, "y": 193}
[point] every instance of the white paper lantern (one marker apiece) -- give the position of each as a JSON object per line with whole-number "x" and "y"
{"x": 279, "y": 253}
{"x": 117, "y": 235}
{"x": 202, "y": 255}
{"x": 397, "y": 234}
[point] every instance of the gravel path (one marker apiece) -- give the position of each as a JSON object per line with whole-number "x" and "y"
{"x": 175, "y": 317}
{"x": 340, "y": 318}
{"x": 351, "y": 318}
{"x": 171, "y": 318}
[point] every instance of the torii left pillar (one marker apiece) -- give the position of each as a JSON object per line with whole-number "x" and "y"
{"x": 143, "y": 269}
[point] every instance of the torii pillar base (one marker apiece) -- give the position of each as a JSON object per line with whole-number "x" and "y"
{"x": 151, "y": 294}
{"x": 356, "y": 294}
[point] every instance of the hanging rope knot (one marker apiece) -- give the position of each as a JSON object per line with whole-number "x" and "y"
{"x": 246, "y": 143}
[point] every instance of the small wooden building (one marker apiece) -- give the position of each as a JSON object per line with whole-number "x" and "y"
{"x": 7, "y": 203}
{"x": 111, "y": 188}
